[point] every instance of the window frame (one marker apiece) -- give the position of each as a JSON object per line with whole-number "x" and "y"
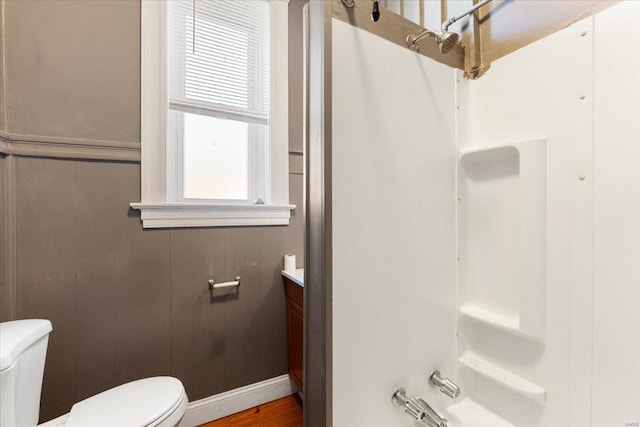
{"x": 160, "y": 204}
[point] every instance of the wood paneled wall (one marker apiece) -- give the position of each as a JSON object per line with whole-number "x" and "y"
{"x": 125, "y": 302}
{"x": 128, "y": 303}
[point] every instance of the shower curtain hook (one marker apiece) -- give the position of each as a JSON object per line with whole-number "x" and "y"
{"x": 375, "y": 13}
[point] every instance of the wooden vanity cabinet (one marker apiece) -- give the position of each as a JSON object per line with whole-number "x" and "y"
{"x": 295, "y": 330}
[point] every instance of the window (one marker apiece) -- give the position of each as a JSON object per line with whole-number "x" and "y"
{"x": 214, "y": 113}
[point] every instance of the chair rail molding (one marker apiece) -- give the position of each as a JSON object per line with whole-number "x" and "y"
{"x": 68, "y": 148}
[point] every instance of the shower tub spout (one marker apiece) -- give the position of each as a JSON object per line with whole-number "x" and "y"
{"x": 418, "y": 409}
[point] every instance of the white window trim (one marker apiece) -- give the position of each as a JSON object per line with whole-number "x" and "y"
{"x": 157, "y": 207}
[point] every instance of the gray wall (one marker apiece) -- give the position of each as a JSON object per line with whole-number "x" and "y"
{"x": 125, "y": 302}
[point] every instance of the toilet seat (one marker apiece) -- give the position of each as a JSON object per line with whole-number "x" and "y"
{"x": 150, "y": 402}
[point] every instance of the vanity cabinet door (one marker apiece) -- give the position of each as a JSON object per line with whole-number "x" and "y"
{"x": 295, "y": 337}
{"x": 295, "y": 328}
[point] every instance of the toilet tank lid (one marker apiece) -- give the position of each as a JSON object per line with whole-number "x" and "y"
{"x": 17, "y": 336}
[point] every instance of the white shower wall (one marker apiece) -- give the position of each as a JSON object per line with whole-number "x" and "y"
{"x": 616, "y": 215}
{"x": 580, "y": 90}
{"x": 393, "y": 163}
{"x": 554, "y": 340}
{"x": 542, "y": 92}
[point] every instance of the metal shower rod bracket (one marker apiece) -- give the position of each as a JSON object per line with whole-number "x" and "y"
{"x": 448, "y": 22}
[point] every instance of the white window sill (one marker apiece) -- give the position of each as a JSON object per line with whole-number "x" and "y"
{"x": 169, "y": 215}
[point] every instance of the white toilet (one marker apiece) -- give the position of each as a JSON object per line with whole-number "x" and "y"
{"x": 150, "y": 402}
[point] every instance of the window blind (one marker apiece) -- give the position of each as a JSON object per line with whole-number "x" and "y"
{"x": 219, "y": 58}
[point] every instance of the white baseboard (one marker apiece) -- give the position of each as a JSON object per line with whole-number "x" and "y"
{"x": 227, "y": 403}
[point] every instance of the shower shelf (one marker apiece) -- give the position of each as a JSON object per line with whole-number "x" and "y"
{"x": 505, "y": 378}
{"x": 508, "y": 324}
{"x": 486, "y": 316}
{"x": 469, "y": 413}
{"x": 502, "y": 225}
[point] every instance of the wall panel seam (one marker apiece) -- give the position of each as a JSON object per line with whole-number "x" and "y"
{"x": 8, "y": 224}
{"x": 3, "y": 50}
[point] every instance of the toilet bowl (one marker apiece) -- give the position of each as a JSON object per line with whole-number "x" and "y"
{"x": 149, "y": 402}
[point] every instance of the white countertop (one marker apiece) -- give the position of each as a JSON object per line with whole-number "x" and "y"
{"x": 297, "y": 277}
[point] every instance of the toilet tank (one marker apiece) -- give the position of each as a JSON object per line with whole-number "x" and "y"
{"x": 23, "y": 349}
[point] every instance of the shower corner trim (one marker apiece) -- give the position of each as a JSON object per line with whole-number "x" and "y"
{"x": 318, "y": 253}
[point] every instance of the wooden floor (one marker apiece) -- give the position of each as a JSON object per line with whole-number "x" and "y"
{"x": 285, "y": 412}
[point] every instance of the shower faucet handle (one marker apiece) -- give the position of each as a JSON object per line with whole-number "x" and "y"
{"x": 445, "y": 385}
